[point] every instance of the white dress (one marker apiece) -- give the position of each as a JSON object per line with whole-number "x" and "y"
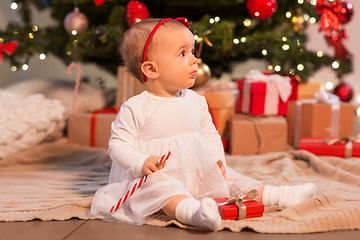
{"x": 149, "y": 125}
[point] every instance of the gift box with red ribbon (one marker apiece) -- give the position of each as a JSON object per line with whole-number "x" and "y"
{"x": 239, "y": 210}
{"x": 91, "y": 129}
{"x": 261, "y": 94}
{"x": 338, "y": 147}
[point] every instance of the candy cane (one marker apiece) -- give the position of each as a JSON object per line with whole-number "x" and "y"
{"x": 137, "y": 185}
{"x": 78, "y": 77}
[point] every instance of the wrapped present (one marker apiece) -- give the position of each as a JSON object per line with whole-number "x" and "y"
{"x": 322, "y": 117}
{"x": 91, "y": 129}
{"x": 257, "y": 134}
{"x": 239, "y": 207}
{"x": 307, "y": 90}
{"x": 261, "y": 94}
{"x": 127, "y": 86}
{"x": 221, "y": 107}
{"x": 340, "y": 147}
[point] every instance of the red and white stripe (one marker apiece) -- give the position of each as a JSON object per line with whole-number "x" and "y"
{"x": 137, "y": 185}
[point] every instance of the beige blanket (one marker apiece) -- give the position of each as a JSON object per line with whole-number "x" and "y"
{"x": 56, "y": 181}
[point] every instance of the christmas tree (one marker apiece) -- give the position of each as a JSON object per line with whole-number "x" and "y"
{"x": 225, "y": 30}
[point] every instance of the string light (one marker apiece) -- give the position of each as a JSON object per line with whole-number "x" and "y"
{"x": 217, "y": 19}
{"x": 25, "y": 67}
{"x": 277, "y": 68}
{"x": 300, "y": 1}
{"x": 313, "y": 2}
{"x": 284, "y": 39}
{"x": 264, "y": 52}
{"x": 14, "y": 6}
{"x": 270, "y": 67}
{"x": 247, "y": 22}
{"x": 74, "y": 32}
{"x": 211, "y": 20}
{"x": 329, "y": 85}
{"x": 300, "y": 67}
{"x": 335, "y": 65}
{"x": 42, "y": 56}
{"x": 13, "y": 68}
{"x": 35, "y": 28}
{"x": 236, "y": 41}
{"x": 358, "y": 111}
{"x": 312, "y": 20}
{"x": 285, "y": 47}
{"x": 288, "y": 14}
{"x": 320, "y": 54}
{"x": 31, "y": 35}
{"x": 243, "y": 39}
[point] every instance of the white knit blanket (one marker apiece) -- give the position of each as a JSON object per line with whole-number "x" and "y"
{"x": 28, "y": 121}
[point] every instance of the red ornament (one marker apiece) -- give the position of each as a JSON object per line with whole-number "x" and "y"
{"x": 8, "y": 48}
{"x": 136, "y": 11}
{"x": 261, "y": 9}
{"x": 328, "y": 21}
{"x": 100, "y": 2}
{"x": 344, "y": 11}
{"x": 344, "y": 91}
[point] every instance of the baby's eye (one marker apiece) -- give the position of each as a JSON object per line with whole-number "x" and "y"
{"x": 193, "y": 52}
{"x": 182, "y": 54}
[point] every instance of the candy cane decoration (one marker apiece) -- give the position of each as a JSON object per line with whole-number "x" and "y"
{"x": 137, "y": 185}
{"x": 78, "y": 77}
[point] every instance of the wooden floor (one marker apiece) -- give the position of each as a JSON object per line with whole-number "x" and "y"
{"x": 76, "y": 229}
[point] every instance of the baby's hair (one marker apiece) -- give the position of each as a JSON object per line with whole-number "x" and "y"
{"x": 133, "y": 43}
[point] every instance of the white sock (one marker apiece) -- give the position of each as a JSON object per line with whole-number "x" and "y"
{"x": 287, "y": 196}
{"x": 203, "y": 214}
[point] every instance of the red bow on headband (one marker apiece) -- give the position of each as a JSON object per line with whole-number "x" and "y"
{"x": 7, "y": 48}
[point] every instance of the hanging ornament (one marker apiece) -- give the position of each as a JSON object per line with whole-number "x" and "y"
{"x": 75, "y": 22}
{"x": 344, "y": 11}
{"x": 261, "y": 9}
{"x": 8, "y": 48}
{"x": 299, "y": 21}
{"x": 203, "y": 73}
{"x": 344, "y": 91}
{"x": 136, "y": 11}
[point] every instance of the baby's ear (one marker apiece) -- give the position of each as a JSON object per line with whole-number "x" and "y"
{"x": 150, "y": 70}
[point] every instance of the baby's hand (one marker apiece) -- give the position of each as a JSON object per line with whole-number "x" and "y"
{"x": 222, "y": 168}
{"x": 151, "y": 165}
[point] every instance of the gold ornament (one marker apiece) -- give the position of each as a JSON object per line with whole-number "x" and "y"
{"x": 300, "y": 21}
{"x": 203, "y": 73}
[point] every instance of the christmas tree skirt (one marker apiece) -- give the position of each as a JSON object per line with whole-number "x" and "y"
{"x": 57, "y": 181}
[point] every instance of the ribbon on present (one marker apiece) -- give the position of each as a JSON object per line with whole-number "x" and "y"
{"x": 276, "y": 86}
{"x": 348, "y": 143}
{"x": 239, "y": 201}
{"x": 321, "y": 97}
{"x": 93, "y": 122}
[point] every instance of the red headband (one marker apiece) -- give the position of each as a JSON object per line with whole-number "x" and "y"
{"x": 179, "y": 19}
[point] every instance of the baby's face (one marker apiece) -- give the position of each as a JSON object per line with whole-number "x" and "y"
{"x": 175, "y": 58}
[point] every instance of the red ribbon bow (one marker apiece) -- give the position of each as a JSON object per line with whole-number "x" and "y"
{"x": 7, "y": 48}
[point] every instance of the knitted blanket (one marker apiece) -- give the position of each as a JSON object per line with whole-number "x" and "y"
{"x": 56, "y": 181}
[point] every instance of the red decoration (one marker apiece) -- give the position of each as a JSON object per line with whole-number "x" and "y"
{"x": 231, "y": 211}
{"x": 261, "y": 9}
{"x": 340, "y": 51}
{"x": 8, "y": 48}
{"x": 136, "y": 11}
{"x": 344, "y": 91}
{"x": 344, "y": 11}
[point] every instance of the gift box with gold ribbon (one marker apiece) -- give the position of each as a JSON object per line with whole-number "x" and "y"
{"x": 91, "y": 129}
{"x": 239, "y": 207}
{"x": 339, "y": 147}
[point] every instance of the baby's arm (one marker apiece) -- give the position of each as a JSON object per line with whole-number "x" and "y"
{"x": 124, "y": 131}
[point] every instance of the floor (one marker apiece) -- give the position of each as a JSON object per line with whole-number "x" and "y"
{"x": 76, "y": 229}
